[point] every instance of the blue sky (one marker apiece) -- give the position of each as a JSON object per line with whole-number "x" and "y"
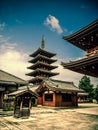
{"x": 23, "y": 22}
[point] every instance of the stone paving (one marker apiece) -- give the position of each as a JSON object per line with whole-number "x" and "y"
{"x": 85, "y": 117}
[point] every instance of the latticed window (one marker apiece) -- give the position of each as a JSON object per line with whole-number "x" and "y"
{"x": 48, "y": 97}
{"x": 66, "y": 97}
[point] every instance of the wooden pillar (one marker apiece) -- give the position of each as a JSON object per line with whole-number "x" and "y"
{"x": 29, "y": 103}
{"x": 54, "y": 99}
{"x": 21, "y": 104}
{"x": 76, "y": 99}
{"x": 1, "y": 99}
{"x": 35, "y": 101}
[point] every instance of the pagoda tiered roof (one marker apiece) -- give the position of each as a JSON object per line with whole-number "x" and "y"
{"x": 42, "y": 71}
{"x": 36, "y": 79}
{"x": 40, "y": 64}
{"x": 42, "y": 52}
{"x": 87, "y": 65}
{"x": 86, "y": 38}
{"x": 42, "y": 57}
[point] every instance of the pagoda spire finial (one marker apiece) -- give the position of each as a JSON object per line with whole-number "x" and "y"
{"x": 43, "y": 42}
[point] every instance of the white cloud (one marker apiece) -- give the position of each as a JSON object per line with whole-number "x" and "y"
{"x": 16, "y": 62}
{"x": 2, "y": 26}
{"x": 53, "y": 24}
{"x": 12, "y": 60}
{"x": 6, "y": 44}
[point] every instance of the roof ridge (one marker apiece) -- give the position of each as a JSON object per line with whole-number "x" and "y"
{"x": 81, "y": 30}
{"x": 62, "y": 81}
{"x": 12, "y": 75}
{"x": 40, "y": 49}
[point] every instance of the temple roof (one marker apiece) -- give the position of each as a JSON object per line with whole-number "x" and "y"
{"x": 7, "y": 78}
{"x": 42, "y": 52}
{"x": 39, "y": 57}
{"x": 37, "y": 79}
{"x": 40, "y": 64}
{"x": 41, "y": 71}
{"x": 87, "y": 65}
{"x": 86, "y": 38}
{"x": 83, "y": 94}
{"x": 23, "y": 91}
{"x": 59, "y": 86}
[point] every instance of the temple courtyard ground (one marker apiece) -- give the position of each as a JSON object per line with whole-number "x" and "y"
{"x": 85, "y": 117}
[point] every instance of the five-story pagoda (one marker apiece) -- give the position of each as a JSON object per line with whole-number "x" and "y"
{"x": 41, "y": 64}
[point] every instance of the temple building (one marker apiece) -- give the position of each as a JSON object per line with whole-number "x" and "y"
{"x": 51, "y": 92}
{"x": 41, "y": 64}
{"x": 57, "y": 93}
{"x": 87, "y": 40}
{"x": 9, "y": 83}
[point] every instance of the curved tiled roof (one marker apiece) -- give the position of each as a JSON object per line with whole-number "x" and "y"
{"x": 42, "y": 64}
{"x": 61, "y": 86}
{"x": 87, "y": 65}
{"x": 42, "y": 71}
{"x": 7, "y": 78}
{"x": 36, "y": 79}
{"x": 86, "y": 38}
{"x": 43, "y": 52}
{"x": 22, "y": 91}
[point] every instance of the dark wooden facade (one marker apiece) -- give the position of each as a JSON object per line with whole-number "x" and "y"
{"x": 57, "y": 101}
{"x": 87, "y": 40}
{"x": 57, "y": 93}
{"x": 8, "y": 83}
{"x": 41, "y": 65}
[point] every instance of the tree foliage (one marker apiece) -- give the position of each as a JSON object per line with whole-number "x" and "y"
{"x": 96, "y": 93}
{"x": 85, "y": 84}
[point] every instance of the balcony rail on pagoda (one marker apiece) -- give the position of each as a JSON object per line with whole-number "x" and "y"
{"x": 92, "y": 52}
{"x": 41, "y": 58}
{"x": 43, "y": 65}
{"x": 39, "y": 71}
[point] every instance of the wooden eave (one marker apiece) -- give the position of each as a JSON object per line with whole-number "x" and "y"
{"x": 43, "y": 52}
{"x": 41, "y": 57}
{"x": 88, "y": 65}
{"x": 7, "y": 82}
{"x": 42, "y": 71}
{"x": 36, "y": 79}
{"x": 86, "y": 38}
{"x": 83, "y": 94}
{"x": 42, "y": 64}
{"x": 21, "y": 92}
{"x": 8, "y": 78}
{"x": 44, "y": 86}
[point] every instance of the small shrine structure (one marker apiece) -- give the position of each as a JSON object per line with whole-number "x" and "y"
{"x": 23, "y": 101}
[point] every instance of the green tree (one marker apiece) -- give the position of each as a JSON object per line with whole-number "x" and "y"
{"x": 85, "y": 84}
{"x": 96, "y": 93}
